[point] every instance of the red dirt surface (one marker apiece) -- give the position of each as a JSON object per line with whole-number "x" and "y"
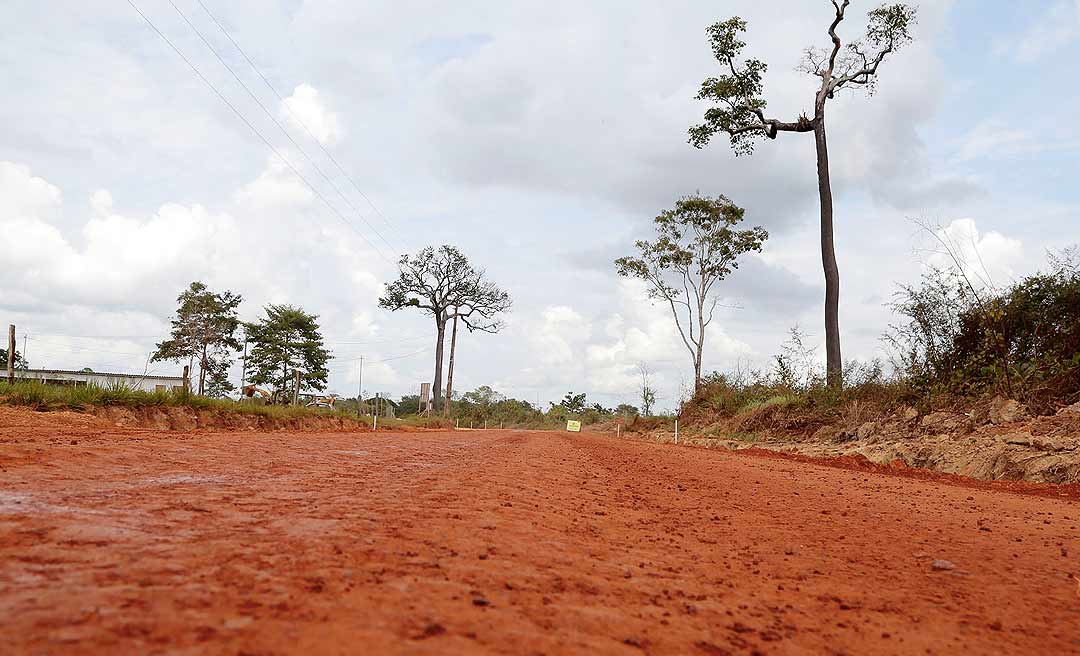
{"x": 137, "y": 542}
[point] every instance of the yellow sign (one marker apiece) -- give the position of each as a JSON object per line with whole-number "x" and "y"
{"x": 573, "y": 426}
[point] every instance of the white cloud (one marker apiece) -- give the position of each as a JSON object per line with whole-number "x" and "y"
{"x": 558, "y": 338}
{"x": 120, "y": 260}
{"x": 305, "y": 109}
{"x": 987, "y": 258}
{"x": 277, "y": 188}
{"x": 101, "y": 202}
{"x": 23, "y": 195}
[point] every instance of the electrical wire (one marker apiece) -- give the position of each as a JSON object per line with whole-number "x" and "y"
{"x": 280, "y": 127}
{"x": 300, "y": 122}
{"x": 258, "y": 134}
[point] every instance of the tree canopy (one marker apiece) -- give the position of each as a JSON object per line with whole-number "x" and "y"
{"x": 697, "y": 245}
{"x": 204, "y": 332}
{"x": 20, "y": 361}
{"x": 445, "y": 285}
{"x": 287, "y": 338}
{"x": 739, "y": 109}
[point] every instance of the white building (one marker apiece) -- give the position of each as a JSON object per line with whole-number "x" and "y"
{"x": 147, "y": 383}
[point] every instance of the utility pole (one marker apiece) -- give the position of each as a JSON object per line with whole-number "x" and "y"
{"x": 296, "y": 388}
{"x": 11, "y": 355}
{"x": 24, "y": 348}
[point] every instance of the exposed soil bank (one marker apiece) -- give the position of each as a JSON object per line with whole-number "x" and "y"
{"x": 140, "y": 541}
{"x": 175, "y": 418}
{"x": 995, "y": 441}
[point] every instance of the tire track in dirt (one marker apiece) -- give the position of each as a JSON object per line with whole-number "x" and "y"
{"x": 510, "y": 542}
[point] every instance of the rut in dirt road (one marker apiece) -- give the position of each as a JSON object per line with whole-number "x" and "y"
{"x": 510, "y": 542}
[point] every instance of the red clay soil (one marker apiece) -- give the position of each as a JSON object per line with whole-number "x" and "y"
{"x": 139, "y": 542}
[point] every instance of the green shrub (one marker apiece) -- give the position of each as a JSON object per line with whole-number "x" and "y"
{"x": 1022, "y": 341}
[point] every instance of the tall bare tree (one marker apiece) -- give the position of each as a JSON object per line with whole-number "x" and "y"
{"x": 740, "y": 113}
{"x": 443, "y": 283}
{"x": 648, "y": 392}
{"x": 696, "y": 247}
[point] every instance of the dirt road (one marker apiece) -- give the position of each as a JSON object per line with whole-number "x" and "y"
{"x": 127, "y": 541}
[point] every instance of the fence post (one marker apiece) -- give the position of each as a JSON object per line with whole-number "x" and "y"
{"x": 11, "y": 355}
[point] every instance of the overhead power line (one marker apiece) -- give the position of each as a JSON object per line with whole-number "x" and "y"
{"x": 300, "y": 121}
{"x": 258, "y": 134}
{"x": 280, "y": 127}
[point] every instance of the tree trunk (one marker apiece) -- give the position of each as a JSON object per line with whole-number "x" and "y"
{"x": 436, "y": 388}
{"x": 450, "y": 370}
{"x": 697, "y": 366}
{"x": 202, "y": 371}
{"x": 833, "y": 363}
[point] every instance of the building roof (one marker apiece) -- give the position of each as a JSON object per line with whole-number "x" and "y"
{"x": 95, "y": 373}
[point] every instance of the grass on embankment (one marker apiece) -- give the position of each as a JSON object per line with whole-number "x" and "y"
{"x": 87, "y": 398}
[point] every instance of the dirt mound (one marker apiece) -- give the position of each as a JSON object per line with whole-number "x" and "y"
{"x": 181, "y": 418}
{"x": 14, "y": 419}
{"x": 992, "y": 439}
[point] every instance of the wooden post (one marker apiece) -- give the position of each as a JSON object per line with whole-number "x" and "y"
{"x": 187, "y": 380}
{"x": 296, "y": 389}
{"x": 11, "y": 355}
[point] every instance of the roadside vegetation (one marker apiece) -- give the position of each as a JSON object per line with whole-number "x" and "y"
{"x": 87, "y": 398}
{"x": 957, "y": 342}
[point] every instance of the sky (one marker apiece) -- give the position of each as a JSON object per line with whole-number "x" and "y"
{"x": 540, "y": 138}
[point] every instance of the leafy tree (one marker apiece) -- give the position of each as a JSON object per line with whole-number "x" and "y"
{"x": 441, "y": 282}
{"x": 20, "y": 361}
{"x": 287, "y": 338}
{"x": 573, "y": 403}
{"x": 204, "y": 331}
{"x": 739, "y": 112}
{"x": 626, "y": 410}
{"x": 409, "y": 405}
{"x": 483, "y": 396}
{"x": 697, "y": 245}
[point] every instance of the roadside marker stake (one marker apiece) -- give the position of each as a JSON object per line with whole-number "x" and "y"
{"x": 676, "y": 430}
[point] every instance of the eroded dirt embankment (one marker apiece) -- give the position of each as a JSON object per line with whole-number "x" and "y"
{"x": 482, "y": 542}
{"x": 996, "y": 441}
{"x": 172, "y": 418}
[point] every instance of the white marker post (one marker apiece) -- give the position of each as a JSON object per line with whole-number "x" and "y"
{"x": 676, "y": 430}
